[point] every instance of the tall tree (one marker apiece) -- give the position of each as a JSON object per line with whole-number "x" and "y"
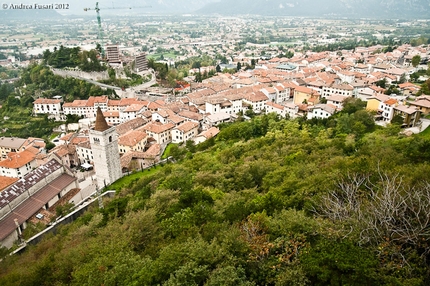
{"x": 416, "y": 60}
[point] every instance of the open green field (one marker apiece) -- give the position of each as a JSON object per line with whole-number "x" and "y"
{"x": 167, "y": 151}
{"x": 18, "y": 122}
{"x": 156, "y": 56}
{"x": 127, "y": 180}
{"x": 425, "y": 133}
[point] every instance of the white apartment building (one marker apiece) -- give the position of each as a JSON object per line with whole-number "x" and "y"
{"x": 321, "y": 111}
{"x": 184, "y": 132}
{"x": 345, "y": 90}
{"x": 17, "y": 165}
{"x": 160, "y": 132}
{"x": 47, "y": 106}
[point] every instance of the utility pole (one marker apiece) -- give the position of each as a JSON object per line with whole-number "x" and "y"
{"x": 99, "y": 196}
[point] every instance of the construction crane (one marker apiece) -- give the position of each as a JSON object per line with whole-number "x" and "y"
{"x": 99, "y": 21}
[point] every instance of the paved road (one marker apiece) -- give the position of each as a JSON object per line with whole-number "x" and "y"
{"x": 426, "y": 123}
{"x": 129, "y": 92}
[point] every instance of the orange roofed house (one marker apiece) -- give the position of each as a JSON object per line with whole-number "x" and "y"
{"x": 17, "y": 165}
{"x": 134, "y": 140}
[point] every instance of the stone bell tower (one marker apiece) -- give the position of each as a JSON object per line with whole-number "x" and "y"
{"x": 104, "y": 145}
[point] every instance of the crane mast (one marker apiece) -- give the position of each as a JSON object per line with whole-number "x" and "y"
{"x": 99, "y": 22}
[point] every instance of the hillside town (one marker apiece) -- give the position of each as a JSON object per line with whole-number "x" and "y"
{"x": 118, "y": 136}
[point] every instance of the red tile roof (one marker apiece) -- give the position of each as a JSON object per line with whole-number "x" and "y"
{"x": 17, "y": 160}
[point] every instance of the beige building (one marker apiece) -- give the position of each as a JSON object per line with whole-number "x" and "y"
{"x": 422, "y": 103}
{"x": 410, "y": 115}
{"x": 160, "y": 132}
{"x": 134, "y": 140}
{"x": 185, "y": 132}
{"x": 10, "y": 144}
{"x": 306, "y": 95}
{"x": 256, "y": 99}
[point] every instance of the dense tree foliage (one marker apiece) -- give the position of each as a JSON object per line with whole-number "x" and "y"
{"x": 5, "y": 90}
{"x": 73, "y": 58}
{"x": 40, "y": 79}
{"x": 270, "y": 201}
{"x": 16, "y": 118}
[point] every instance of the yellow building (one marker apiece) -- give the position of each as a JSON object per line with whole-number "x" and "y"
{"x": 374, "y": 101}
{"x": 307, "y": 95}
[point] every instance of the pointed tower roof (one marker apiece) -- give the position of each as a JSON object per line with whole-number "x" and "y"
{"x": 101, "y": 124}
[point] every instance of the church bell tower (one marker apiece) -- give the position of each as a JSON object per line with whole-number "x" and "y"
{"x": 104, "y": 145}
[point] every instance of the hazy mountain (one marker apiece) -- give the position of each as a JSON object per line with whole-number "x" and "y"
{"x": 109, "y": 7}
{"x": 29, "y": 14}
{"x": 343, "y": 8}
{"x": 156, "y": 7}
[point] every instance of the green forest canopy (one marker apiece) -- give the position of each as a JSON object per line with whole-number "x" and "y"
{"x": 269, "y": 202}
{"x": 73, "y": 58}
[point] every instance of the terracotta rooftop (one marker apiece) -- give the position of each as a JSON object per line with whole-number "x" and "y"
{"x": 153, "y": 106}
{"x": 153, "y": 151}
{"x": 256, "y": 96}
{"x": 275, "y": 105}
{"x": 191, "y": 115}
{"x": 76, "y": 103}
{"x": 187, "y": 126}
{"x": 111, "y": 114}
{"x": 211, "y": 132}
{"x": 17, "y": 160}
{"x": 406, "y": 109}
{"x": 78, "y": 140}
{"x": 134, "y": 107}
{"x": 335, "y": 97}
{"x": 6, "y": 182}
{"x": 85, "y": 144}
{"x": 47, "y": 101}
{"x": 176, "y": 119}
{"x": 34, "y": 142}
{"x": 390, "y": 101}
{"x": 305, "y": 89}
{"x": 130, "y": 125}
{"x": 421, "y": 103}
{"x": 157, "y": 128}
{"x": 67, "y": 137}
{"x": 131, "y": 138}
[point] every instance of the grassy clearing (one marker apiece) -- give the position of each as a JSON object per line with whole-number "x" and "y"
{"x": 165, "y": 55}
{"x": 167, "y": 151}
{"x": 425, "y": 133}
{"x": 127, "y": 180}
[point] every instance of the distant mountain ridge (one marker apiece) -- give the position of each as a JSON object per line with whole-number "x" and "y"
{"x": 343, "y": 8}
{"x": 29, "y": 14}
